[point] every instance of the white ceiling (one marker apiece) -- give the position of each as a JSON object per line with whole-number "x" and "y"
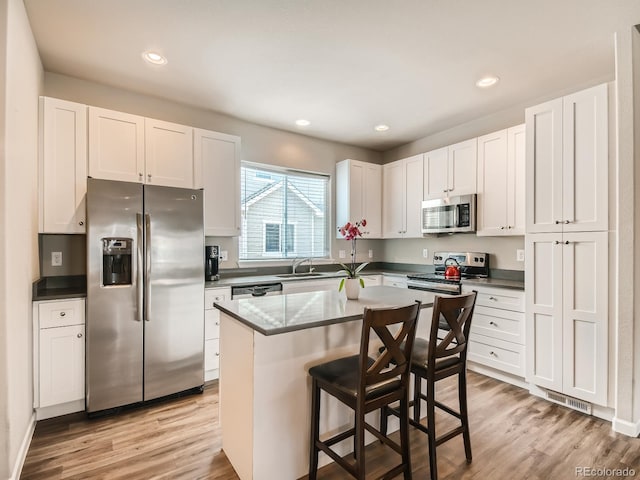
{"x": 345, "y": 65}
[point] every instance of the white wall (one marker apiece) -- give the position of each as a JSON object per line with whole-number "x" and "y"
{"x": 18, "y": 207}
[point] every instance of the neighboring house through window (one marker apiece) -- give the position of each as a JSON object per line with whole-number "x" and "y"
{"x": 284, "y": 213}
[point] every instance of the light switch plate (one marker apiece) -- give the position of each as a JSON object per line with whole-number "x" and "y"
{"x": 370, "y": 253}
{"x": 425, "y": 253}
{"x": 342, "y": 254}
{"x": 56, "y": 259}
{"x": 223, "y": 255}
{"x": 520, "y": 255}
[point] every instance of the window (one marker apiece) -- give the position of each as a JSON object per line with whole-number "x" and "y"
{"x": 284, "y": 213}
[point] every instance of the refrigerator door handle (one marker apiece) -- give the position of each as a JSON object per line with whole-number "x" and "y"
{"x": 139, "y": 265}
{"x": 147, "y": 264}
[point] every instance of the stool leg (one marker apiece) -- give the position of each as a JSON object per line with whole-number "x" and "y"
{"x": 462, "y": 395}
{"x": 384, "y": 417}
{"x": 417, "y": 387}
{"x": 431, "y": 427}
{"x": 404, "y": 436}
{"x": 359, "y": 436}
{"x": 315, "y": 430}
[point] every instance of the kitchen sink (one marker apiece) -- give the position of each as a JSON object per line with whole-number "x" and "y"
{"x": 300, "y": 275}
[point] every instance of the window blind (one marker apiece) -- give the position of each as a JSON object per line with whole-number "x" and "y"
{"x": 284, "y": 213}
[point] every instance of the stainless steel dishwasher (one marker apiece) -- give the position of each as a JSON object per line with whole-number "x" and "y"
{"x": 262, "y": 290}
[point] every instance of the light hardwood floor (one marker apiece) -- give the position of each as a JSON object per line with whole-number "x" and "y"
{"x": 514, "y": 436}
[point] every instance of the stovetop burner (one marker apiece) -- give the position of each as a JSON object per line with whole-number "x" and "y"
{"x": 438, "y": 277}
{"x": 472, "y": 265}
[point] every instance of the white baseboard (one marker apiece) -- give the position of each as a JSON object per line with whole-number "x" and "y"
{"x": 626, "y": 428}
{"x": 24, "y": 448}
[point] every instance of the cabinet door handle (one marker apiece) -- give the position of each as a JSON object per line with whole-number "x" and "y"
{"x": 218, "y": 322}
{"x": 140, "y": 176}
{"x": 567, "y": 242}
{"x": 81, "y": 223}
{"x": 79, "y": 335}
{"x": 445, "y": 190}
{"x": 493, "y": 323}
{"x": 558, "y": 222}
{"x": 557, "y": 242}
{"x": 148, "y": 177}
{"x": 62, "y": 314}
{"x": 493, "y": 298}
{"x": 567, "y": 221}
{"x": 217, "y": 354}
{"x": 501, "y": 228}
{"x": 492, "y": 353}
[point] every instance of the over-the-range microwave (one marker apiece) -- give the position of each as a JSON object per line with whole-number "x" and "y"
{"x": 449, "y": 214}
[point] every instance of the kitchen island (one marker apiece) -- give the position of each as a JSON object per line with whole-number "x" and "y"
{"x": 267, "y": 345}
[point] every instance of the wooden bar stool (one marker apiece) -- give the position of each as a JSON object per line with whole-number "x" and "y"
{"x": 434, "y": 360}
{"x": 365, "y": 384}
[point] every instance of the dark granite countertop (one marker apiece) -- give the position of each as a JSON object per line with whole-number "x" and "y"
{"x": 55, "y": 288}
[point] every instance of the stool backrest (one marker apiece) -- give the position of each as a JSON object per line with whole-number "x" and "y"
{"x": 395, "y": 360}
{"x": 457, "y": 312}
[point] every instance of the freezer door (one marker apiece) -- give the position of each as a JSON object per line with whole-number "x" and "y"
{"x": 174, "y": 296}
{"x": 114, "y": 322}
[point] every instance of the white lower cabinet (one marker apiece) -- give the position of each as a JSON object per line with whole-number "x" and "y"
{"x": 567, "y": 313}
{"x": 497, "y": 337}
{"x": 212, "y": 331}
{"x": 59, "y": 352}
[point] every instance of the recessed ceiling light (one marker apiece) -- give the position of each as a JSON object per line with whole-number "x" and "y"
{"x": 301, "y": 122}
{"x": 381, "y": 128}
{"x": 487, "y": 81}
{"x": 154, "y": 57}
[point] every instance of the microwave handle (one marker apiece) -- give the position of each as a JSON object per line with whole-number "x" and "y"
{"x": 456, "y": 218}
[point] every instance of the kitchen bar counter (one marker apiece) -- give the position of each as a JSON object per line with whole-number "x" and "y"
{"x": 271, "y": 315}
{"x": 267, "y": 345}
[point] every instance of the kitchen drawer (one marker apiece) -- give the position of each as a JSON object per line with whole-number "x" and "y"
{"x": 211, "y": 324}
{"x": 61, "y": 313}
{"x": 211, "y": 354}
{"x": 503, "y": 298}
{"x": 506, "y": 356}
{"x": 212, "y": 295}
{"x": 497, "y": 323}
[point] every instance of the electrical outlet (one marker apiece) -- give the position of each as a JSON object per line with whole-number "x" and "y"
{"x": 342, "y": 254}
{"x": 56, "y": 259}
{"x": 370, "y": 253}
{"x": 223, "y": 255}
{"x": 425, "y": 253}
{"x": 520, "y": 255}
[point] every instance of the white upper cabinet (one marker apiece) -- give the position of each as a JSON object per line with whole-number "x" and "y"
{"x": 217, "y": 167}
{"x": 168, "y": 154}
{"x": 451, "y": 171}
{"x": 567, "y": 163}
{"x": 359, "y": 195}
{"x": 131, "y": 148}
{"x": 116, "y": 145}
{"x": 501, "y": 182}
{"x": 402, "y": 197}
{"x": 62, "y": 166}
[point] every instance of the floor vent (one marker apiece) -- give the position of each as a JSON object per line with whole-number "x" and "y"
{"x": 573, "y": 403}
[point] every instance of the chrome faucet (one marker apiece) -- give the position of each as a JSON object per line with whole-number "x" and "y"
{"x": 296, "y": 262}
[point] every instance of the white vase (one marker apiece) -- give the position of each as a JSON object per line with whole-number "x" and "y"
{"x": 352, "y": 288}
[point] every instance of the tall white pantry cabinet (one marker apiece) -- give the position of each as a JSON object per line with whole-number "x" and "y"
{"x": 566, "y": 245}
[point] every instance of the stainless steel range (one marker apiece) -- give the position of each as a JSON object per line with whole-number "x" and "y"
{"x": 472, "y": 265}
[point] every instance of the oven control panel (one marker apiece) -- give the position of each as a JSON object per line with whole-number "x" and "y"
{"x": 468, "y": 259}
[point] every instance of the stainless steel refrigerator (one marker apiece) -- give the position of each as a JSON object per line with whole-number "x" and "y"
{"x": 145, "y": 292}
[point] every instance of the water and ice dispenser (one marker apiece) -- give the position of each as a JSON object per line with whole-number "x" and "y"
{"x": 116, "y": 261}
